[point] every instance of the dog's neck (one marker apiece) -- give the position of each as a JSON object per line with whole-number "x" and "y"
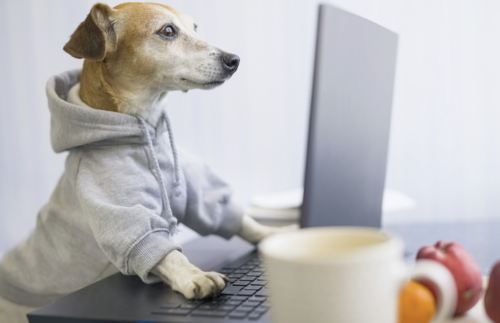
{"x": 100, "y": 89}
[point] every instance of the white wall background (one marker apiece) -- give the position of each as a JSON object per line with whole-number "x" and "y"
{"x": 445, "y": 140}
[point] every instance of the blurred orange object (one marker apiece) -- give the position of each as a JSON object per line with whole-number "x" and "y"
{"x": 416, "y": 304}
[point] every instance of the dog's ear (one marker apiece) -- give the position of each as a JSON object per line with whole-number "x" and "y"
{"x": 94, "y": 36}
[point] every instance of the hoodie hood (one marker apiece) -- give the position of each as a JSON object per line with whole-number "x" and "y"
{"x": 73, "y": 126}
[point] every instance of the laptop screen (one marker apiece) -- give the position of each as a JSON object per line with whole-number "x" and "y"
{"x": 349, "y": 121}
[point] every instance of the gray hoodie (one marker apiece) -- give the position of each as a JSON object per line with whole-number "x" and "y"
{"x": 123, "y": 190}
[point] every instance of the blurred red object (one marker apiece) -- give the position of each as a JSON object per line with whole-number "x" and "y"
{"x": 492, "y": 296}
{"x": 464, "y": 269}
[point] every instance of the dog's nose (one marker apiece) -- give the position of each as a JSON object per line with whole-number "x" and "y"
{"x": 230, "y": 62}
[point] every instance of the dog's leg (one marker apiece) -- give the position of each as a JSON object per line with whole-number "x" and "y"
{"x": 13, "y": 313}
{"x": 254, "y": 232}
{"x": 176, "y": 270}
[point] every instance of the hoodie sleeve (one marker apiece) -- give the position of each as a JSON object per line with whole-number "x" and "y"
{"x": 210, "y": 208}
{"x": 122, "y": 203}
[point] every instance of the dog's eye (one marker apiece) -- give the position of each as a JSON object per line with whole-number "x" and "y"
{"x": 168, "y": 31}
{"x": 195, "y": 27}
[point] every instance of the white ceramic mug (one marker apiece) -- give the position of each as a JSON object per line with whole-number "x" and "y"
{"x": 344, "y": 275}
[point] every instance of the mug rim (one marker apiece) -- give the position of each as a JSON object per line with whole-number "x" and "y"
{"x": 390, "y": 247}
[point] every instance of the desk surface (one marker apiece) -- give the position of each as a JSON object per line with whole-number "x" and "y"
{"x": 482, "y": 240}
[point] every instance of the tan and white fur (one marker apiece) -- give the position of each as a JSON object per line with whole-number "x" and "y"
{"x": 144, "y": 51}
{"x": 130, "y": 62}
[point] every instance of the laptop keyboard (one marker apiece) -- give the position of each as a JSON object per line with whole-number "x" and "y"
{"x": 243, "y": 298}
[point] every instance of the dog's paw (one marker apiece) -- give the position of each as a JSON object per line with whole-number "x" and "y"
{"x": 254, "y": 232}
{"x": 200, "y": 285}
{"x": 187, "y": 279}
{"x": 267, "y": 231}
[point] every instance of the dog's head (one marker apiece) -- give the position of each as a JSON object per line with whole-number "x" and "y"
{"x": 153, "y": 43}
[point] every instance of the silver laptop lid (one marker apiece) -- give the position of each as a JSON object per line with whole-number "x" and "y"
{"x": 349, "y": 121}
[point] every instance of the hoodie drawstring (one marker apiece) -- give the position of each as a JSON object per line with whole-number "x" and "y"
{"x": 171, "y": 220}
{"x": 174, "y": 153}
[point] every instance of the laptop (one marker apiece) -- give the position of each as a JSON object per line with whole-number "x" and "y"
{"x": 344, "y": 183}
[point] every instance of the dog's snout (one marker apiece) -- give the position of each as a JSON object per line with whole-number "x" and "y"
{"x": 230, "y": 62}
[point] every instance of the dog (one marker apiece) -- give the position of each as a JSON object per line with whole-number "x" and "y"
{"x": 95, "y": 223}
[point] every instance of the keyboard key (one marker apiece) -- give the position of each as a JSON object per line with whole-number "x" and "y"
{"x": 253, "y": 287}
{"x": 235, "y": 275}
{"x": 254, "y": 316}
{"x": 242, "y": 309}
{"x": 246, "y": 292}
{"x": 241, "y": 283}
{"x": 214, "y": 301}
{"x": 188, "y": 306}
{"x": 238, "y": 315}
{"x": 220, "y": 299}
{"x": 245, "y": 308}
{"x": 207, "y": 306}
{"x": 253, "y": 274}
{"x": 220, "y": 313}
{"x": 241, "y": 271}
{"x": 260, "y": 309}
{"x": 226, "y": 307}
{"x": 200, "y": 312}
{"x": 261, "y": 292}
{"x": 257, "y": 298}
{"x": 230, "y": 290}
{"x": 233, "y": 302}
{"x": 250, "y": 304}
{"x": 238, "y": 298}
{"x": 259, "y": 283}
{"x": 248, "y": 278}
{"x": 210, "y": 301}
